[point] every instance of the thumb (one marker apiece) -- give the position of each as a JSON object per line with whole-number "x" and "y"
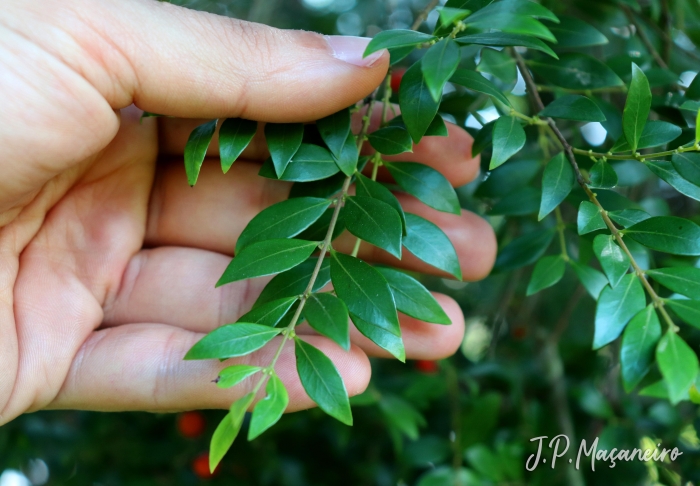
{"x": 193, "y": 64}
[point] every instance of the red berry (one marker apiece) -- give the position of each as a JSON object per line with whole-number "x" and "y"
{"x": 191, "y": 424}
{"x": 396, "y": 76}
{"x": 519, "y": 333}
{"x": 426, "y": 366}
{"x": 200, "y": 466}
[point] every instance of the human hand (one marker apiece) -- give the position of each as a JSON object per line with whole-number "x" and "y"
{"x": 108, "y": 258}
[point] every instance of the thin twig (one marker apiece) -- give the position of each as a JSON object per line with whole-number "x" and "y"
{"x": 568, "y": 149}
{"x": 644, "y": 37}
{"x": 424, "y": 14}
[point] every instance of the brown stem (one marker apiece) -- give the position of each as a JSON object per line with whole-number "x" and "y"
{"x": 424, "y": 14}
{"x": 644, "y": 37}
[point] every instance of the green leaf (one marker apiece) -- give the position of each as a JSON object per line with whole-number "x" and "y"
{"x": 483, "y": 138}
{"x": 196, "y": 149}
{"x": 328, "y": 315}
{"x": 294, "y": 282}
{"x": 687, "y": 310}
{"x": 322, "y": 381}
{"x": 324, "y": 188}
{"x": 310, "y": 163}
{"x": 548, "y": 271}
{"x": 438, "y": 64}
{"x": 425, "y": 183}
{"x": 668, "y": 234}
{"x": 665, "y": 171}
{"x": 232, "y": 340}
{"x": 591, "y": 279}
{"x": 234, "y": 136}
{"x": 334, "y": 130}
{"x": 381, "y": 337}
{"x": 476, "y": 82}
{"x": 227, "y": 430}
{"x": 233, "y": 375}
{"x": 450, "y": 16}
{"x": 689, "y": 105}
{"x": 402, "y": 415}
{"x": 502, "y": 39}
{"x": 616, "y": 306}
{"x": 614, "y": 262}
{"x": 522, "y": 201}
{"x": 348, "y": 158}
{"x": 637, "y": 106}
{"x": 638, "y": 343}
{"x": 269, "y": 410}
{"x": 375, "y": 222}
{"x": 523, "y": 250}
{"x": 282, "y": 220}
{"x": 517, "y": 7}
{"x": 573, "y": 107}
{"x": 574, "y": 32}
{"x": 366, "y": 187}
{"x": 389, "y": 39}
{"x": 412, "y": 298}
{"x": 418, "y": 108}
{"x": 512, "y": 23}
{"x": 437, "y": 128}
{"x": 364, "y": 291}
{"x": 319, "y": 229}
{"x": 391, "y": 141}
{"x": 688, "y": 166}
{"x": 628, "y": 217}
{"x": 693, "y": 91}
{"x": 589, "y": 218}
{"x": 269, "y": 314}
{"x": 498, "y": 64}
{"x": 557, "y": 182}
{"x": 576, "y": 71}
{"x": 602, "y": 175}
{"x": 267, "y": 257}
{"x": 678, "y": 365}
{"x": 283, "y": 140}
{"x": 683, "y": 280}
{"x": 655, "y": 133}
{"x": 508, "y": 139}
{"x": 398, "y": 54}
{"x": 430, "y": 244}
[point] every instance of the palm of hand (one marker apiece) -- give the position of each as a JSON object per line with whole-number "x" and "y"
{"x": 109, "y": 259}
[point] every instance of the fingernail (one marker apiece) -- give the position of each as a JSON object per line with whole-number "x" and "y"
{"x": 351, "y": 50}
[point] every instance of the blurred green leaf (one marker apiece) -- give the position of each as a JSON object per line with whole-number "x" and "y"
{"x": 524, "y": 250}
{"x": 575, "y": 71}
{"x": 602, "y": 175}
{"x": 548, "y": 271}
{"x": 502, "y": 39}
{"x": 573, "y": 107}
{"x": 687, "y": 310}
{"x": 591, "y": 279}
{"x": 665, "y": 171}
{"x": 476, "y": 82}
{"x": 688, "y": 166}
{"x": 574, "y": 32}
{"x": 655, "y": 133}
{"x": 684, "y": 280}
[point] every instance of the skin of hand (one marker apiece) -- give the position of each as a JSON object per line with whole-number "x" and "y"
{"x": 108, "y": 259}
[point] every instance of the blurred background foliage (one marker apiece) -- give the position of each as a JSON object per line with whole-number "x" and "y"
{"x": 525, "y": 368}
